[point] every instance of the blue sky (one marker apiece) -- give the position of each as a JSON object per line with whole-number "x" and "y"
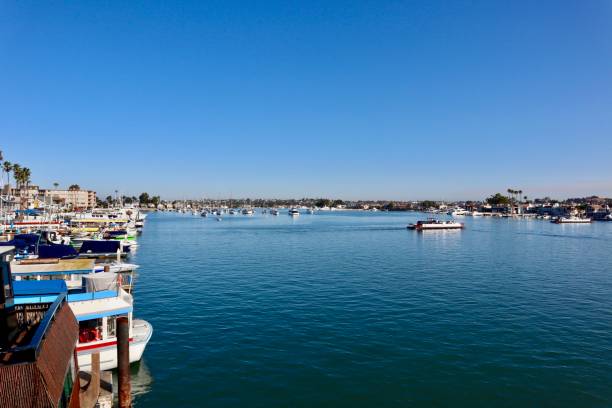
{"x": 349, "y": 99}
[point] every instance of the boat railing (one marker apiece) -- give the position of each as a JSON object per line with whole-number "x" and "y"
{"x": 44, "y": 318}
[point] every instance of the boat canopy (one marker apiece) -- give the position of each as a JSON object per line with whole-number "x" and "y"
{"x": 29, "y": 211}
{"x": 39, "y": 288}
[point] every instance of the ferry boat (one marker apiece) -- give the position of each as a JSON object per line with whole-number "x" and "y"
{"x": 433, "y": 224}
{"x": 96, "y": 308}
{"x": 294, "y": 212}
{"x": 571, "y": 220}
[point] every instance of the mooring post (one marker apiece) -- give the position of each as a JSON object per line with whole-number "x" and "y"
{"x": 88, "y": 395}
{"x": 123, "y": 362}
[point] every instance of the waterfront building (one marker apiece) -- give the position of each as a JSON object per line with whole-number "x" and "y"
{"x": 81, "y": 199}
{"x": 34, "y": 196}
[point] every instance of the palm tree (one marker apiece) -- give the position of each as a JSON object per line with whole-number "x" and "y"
{"x": 511, "y": 192}
{"x": 7, "y": 166}
{"x": 16, "y": 173}
{"x": 19, "y": 174}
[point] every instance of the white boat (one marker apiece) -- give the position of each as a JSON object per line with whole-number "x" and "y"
{"x": 458, "y": 211}
{"x": 433, "y": 224}
{"x": 293, "y": 212}
{"x": 248, "y": 211}
{"x": 310, "y": 211}
{"x": 274, "y": 211}
{"x": 571, "y": 220}
{"x": 96, "y": 310}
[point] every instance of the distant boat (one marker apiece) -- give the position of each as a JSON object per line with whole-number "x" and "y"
{"x": 294, "y": 212}
{"x": 571, "y": 220}
{"x": 274, "y": 212}
{"x": 219, "y": 219}
{"x": 433, "y": 224}
{"x": 204, "y": 214}
{"x": 458, "y": 211}
{"x": 248, "y": 211}
{"x": 310, "y": 211}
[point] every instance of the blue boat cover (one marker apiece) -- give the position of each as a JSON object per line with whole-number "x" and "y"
{"x": 19, "y": 244}
{"x": 99, "y": 247}
{"x": 56, "y": 251}
{"x": 39, "y": 288}
{"x": 30, "y": 239}
{"x": 29, "y": 211}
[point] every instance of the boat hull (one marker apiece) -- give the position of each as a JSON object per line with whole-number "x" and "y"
{"x": 108, "y": 350}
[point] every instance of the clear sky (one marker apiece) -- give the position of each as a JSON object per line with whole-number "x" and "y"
{"x": 348, "y": 99}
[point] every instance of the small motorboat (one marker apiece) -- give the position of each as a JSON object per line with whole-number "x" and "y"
{"x": 294, "y": 212}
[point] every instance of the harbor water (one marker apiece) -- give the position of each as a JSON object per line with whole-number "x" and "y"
{"x": 349, "y": 309}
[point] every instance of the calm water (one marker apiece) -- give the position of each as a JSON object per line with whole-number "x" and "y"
{"x": 351, "y": 309}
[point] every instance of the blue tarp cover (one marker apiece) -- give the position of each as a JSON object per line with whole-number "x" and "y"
{"x": 99, "y": 247}
{"x": 30, "y": 239}
{"x": 56, "y": 251}
{"x": 29, "y": 211}
{"x": 19, "y": 244}
{"x": 38, "y": 288}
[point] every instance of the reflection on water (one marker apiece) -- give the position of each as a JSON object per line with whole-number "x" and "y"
{"x": 141, "y": 379}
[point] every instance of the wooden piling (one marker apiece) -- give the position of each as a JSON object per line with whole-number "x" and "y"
{"x": 123, "y": 362}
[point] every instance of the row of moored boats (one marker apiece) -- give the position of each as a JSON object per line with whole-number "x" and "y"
{"x": 85, "y": 257}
